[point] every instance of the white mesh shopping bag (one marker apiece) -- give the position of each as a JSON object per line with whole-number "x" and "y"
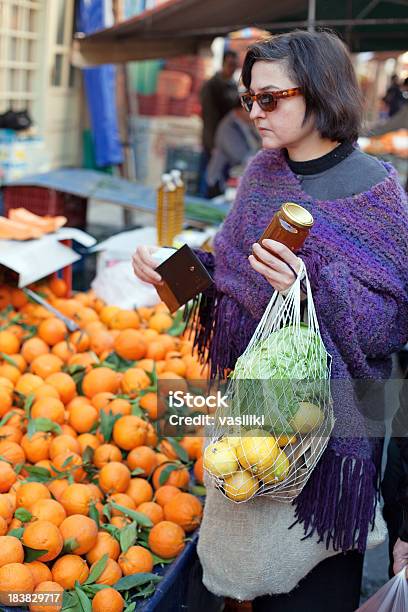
{"x": 278, "y": 417}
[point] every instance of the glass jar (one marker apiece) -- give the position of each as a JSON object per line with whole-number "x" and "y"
{"x": 290, "y": 225}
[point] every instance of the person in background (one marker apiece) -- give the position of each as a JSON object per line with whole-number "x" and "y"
{"x": 236, "y": 142}
{"x": 218, "y": 96}
{"x": 399, "y": 119}
{"x": 393, "y": 96}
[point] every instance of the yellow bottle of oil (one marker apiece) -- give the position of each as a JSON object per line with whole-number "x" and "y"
{"x": 166, "y": 207}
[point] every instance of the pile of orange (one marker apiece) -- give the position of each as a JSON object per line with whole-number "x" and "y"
{"x": 78, "y": 448}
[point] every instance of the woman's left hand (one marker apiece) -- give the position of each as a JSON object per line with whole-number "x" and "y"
{"x": 272, "y": 266}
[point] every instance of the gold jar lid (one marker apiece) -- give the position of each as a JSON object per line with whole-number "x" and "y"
{"x": 297, "y": 215}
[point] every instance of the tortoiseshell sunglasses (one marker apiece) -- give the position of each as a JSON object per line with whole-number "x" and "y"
{"x": 268, "y": 100}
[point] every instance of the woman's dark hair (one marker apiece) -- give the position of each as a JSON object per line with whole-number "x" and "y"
{"x": 319, "y": 63}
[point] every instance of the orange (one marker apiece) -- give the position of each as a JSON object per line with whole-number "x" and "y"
{"x": 28, "y": 383}
{"x": 179, "y": 477}
{"x": 5, "y": 383}
{"x": 83, "y": 418}
{"x": 170, "y": 344}
{"x": 12, "y": 452}
{"x": 96, "y": 493}
{"x": 152, "y": 510}
{"x": 45, "y": 463}
{"x": 98, "y": 380}
{"x": 39, "y": 571}
{"x": 44, "y": 365}
{"x": 9, "y": 371}
{"x": 153, "y": 405}
{"x": 64, "y": 350}
{"x": 165, "y": 493}
{"x": 123, "y": 500}
{"x": 5, "y": 296}
{"x": 46, "y": 391}
{"x": 94, "y": 326}
{"x": 52, "y": 331}
{"x": 81, "y": 340}
{"x": 37, "y": 447}
{"x": 18, "y": 419}
{"x": 108, "y": 600}
{"x": 140, "y": 490}
{"x": 7, "y": 476}
{"x": 198, "y": 470}
{"x": 106, "y": 453}
{"x": 184, "y": 510}
{"x": 170, "y": 381}
{"x": 84, "y": 298}
{"x": 48, "y": 408}
{"x": 11, "y": 550}
{"x": 166, "y": 539}
{"x": 69, "y": 463}
{"x": 34, "y": 347}
{"x": 136, "y": 560}
{"x": 6, "y": 506}
{"x": 125, "y": 319}
{"x": 43, "y": 535}
{"x": 134, "y": 380}
{"x": 176, "y": 365}
{"x": 156, "y": 350}
{"x": 49, "y": 510}
{"x": 76, "y": 499}
{"x": 6, "y": 401}
{"x": 166, "y": 448}
{"x": 196, "y": 371}
{"x": 160, "y": 321}
{"x": 20, "y": 362}
{"x": 79, "y": 400}
{"x": 101, "y": 400}
{"x": 101, "y": 340}
{"x": 64, "y": 384}
{"x": 193, "y": 445}
{"x": 68, "y": 569}
{"x": 146, "y": 364}
{"x": 82, "y": 529}
{"x": 120, "y": 521}
{"x": 142, "y": 457}
{"x": 85, "y": 315}
{"x": 48, "y": 586}
{"x": 63, "y": 443}
{"x": 129, "y": 431}
{"x": 118, "y": 406}
{"x": 114, "y": 477}
{"x": 111, "y": 573}
{"x": 10, "y": 433}
{"x": 68, "y": 430}
{"x": 30, "y": 492}
{"x": 105, "y": 545}
{"x": 57, "y": 487}
{"x": 58, "y": 286}
{"x": 9, "y": 343}
{"x": 67, "y": 307}
{"x": 18, "y": 298}
{"x": 16, "y": 577}
{"x": 130, "y": 344}
{"x": 86, "y": 440}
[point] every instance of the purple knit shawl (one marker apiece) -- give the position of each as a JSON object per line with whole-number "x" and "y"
{"x": 357, "y": 261}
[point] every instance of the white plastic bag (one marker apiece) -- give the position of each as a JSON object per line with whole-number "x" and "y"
{"x": 279, "y": 415}
{"x": 392, "y": 597}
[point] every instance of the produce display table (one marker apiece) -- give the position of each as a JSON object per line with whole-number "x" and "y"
{"x": 126, "y": 194}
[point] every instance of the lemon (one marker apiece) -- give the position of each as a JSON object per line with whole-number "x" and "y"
{"x": 256, "y": 452}
{"x": 220, "y": 459}
{"x": 283, "y": 440}
{"x": 308, "y": 417}
{"x": 279, "y": 471}
{"x": 232, "y": 441}
{"x": 241, "y": 486}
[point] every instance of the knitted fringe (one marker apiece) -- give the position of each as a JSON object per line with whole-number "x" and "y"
{"x": 339, "y": 502}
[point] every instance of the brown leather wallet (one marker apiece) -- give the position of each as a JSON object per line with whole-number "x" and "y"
{"x": 184, "y": 276}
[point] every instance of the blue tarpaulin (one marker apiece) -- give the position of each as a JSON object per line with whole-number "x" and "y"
{"x": 100, "y": 88}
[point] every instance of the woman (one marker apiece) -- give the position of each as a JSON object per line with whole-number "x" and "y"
{"x": 303, "y": 97}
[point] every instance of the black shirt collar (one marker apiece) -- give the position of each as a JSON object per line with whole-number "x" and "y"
{"x": 315, "y": 166}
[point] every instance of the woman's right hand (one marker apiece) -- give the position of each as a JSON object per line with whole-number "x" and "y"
{"x": 144, "y": 264}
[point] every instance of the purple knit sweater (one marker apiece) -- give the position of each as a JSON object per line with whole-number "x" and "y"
{"x": 356, "y": 258}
